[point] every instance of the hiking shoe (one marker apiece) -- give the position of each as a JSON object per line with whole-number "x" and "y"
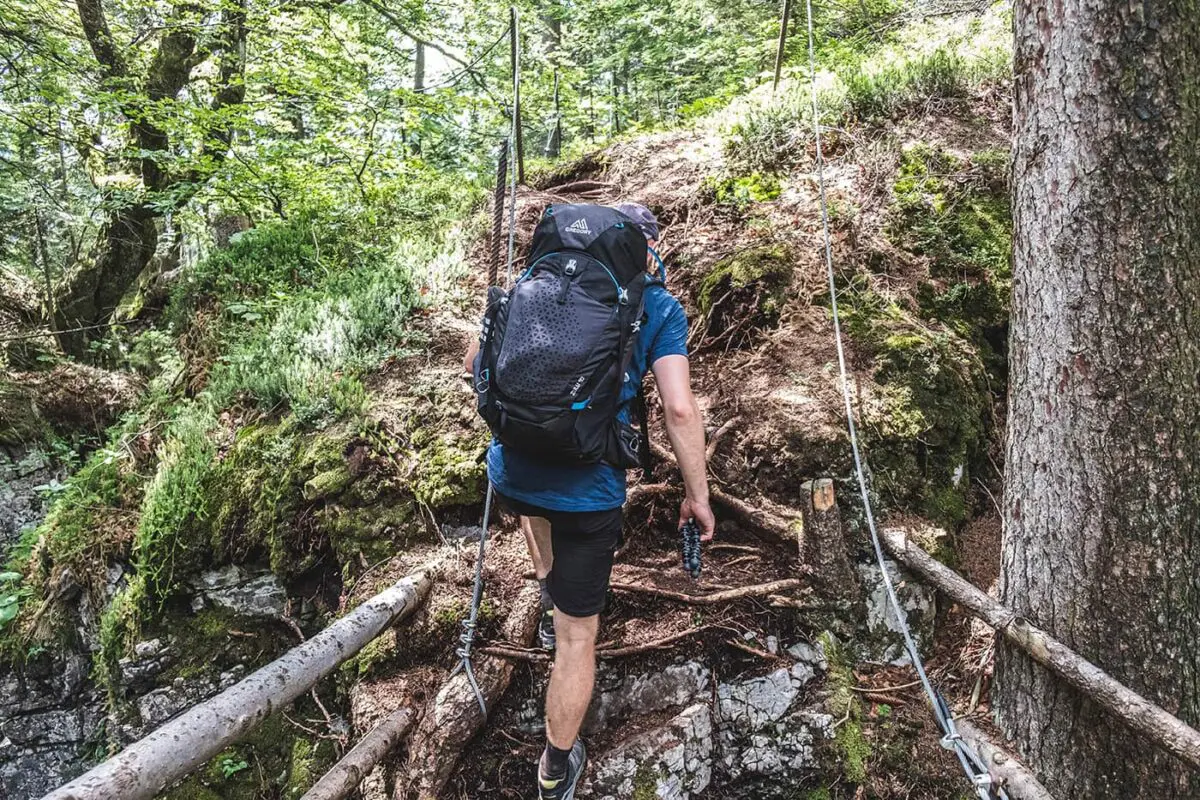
{"x": 546, "y": 629}
{"x": 564, "y": 787}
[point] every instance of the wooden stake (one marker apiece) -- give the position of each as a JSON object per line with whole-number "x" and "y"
{"x": 823, "y": 546}
{"x": 1143, "y": 716}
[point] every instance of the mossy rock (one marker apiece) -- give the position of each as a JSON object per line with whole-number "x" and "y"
{"x": 747, "y": 289}
{"x": 20, "y": 420}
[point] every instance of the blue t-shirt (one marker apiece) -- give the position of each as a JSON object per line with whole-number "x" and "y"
{"x": 593, "y": 487}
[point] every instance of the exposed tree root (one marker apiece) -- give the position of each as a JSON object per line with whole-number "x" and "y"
{"x": 713, "y": 598}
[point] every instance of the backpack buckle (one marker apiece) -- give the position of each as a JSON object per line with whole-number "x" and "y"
{"x": 485, "y": 381}
{"x": 623, "y": 296}
{"x": 571, "y": 267}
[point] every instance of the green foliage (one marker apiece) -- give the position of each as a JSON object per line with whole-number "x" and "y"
{"x": 741, "y": 191}
{"x": 168, "y": 544}
{"x": 763, "y": 273}
{"x": 868, "y": 77}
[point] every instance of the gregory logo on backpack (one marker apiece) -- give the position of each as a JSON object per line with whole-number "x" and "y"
{"x": 564, "y": 331}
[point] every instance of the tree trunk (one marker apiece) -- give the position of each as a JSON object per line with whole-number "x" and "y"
{"x": 1102, "y": 504}
{"x": 92, "y": 291}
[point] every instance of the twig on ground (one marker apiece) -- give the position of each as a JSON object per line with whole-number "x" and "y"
{"x": 715, "y": 440}
{"x": 657, "y": 644}
{"x": 884, "y": 689}
{"x": 736, "y": 548}
{"x": 754, "y": 651}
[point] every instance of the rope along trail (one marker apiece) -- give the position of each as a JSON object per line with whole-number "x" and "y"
{"x": 972, "y": 765}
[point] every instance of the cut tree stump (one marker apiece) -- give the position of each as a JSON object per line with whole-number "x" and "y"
{"x": 142, "y": 770}
{"x": 452, "y": 717}
{"x": 348, "y": 773}
{"x": 823, "y": 545}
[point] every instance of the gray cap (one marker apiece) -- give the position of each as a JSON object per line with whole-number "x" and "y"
{"x": 643, "y": 217}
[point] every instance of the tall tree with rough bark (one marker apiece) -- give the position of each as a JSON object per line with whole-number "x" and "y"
{"x": 1102, "y": 505}
{"x": 129, "y": 236}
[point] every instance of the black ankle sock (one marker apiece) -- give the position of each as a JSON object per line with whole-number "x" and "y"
{"x": 547, "y": 603}
{"x": 554, "y": 762}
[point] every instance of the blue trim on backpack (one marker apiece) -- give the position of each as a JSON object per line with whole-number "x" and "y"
{"x": 581, "y": 405}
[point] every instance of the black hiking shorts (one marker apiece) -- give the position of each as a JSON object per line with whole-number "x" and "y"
{"x": 583, "y": 544}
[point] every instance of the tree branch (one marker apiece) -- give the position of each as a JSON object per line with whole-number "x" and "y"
{"x": 100, "y": 38}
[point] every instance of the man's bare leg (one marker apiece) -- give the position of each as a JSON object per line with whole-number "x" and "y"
{"x": 571, "y": 681}
{"x": 541, "y": 552}
{"x": 537, "y": 538}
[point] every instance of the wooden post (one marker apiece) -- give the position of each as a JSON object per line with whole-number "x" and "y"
{"x": 1154, "y": 722}
{"x": 146, "y": 767}
{"x": 823, "y": 546}
{"x": 783, "y": 32}
{"x": 514, "y": 41}
{"x": 452, "y": 716}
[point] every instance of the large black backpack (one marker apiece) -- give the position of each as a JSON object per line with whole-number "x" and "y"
{"x": 555, "y": 348}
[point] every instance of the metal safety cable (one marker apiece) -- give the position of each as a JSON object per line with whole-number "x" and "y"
{"x": 470, "y": 624}
{"x": 512, "y": 140}
{"x": 972, "y": 764}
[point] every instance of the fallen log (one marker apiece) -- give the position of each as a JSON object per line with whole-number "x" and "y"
{"x": 348, "y": 773}
{"x": 1016, "y": 779}
{"x": 1149, "y": 719}
{"x": 712, "y": 598}
{"x": 453, "y": 716}
{"x": 171, "y": 752}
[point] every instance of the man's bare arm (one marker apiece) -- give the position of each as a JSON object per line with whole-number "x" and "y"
{"x": 685, "y": 428}
{"x": 469, "y": 360}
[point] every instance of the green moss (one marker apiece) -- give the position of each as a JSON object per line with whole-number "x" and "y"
{"x": 645, "y": 782}
{"x": 765, "y": 271}
{"x": 854, "y": 752}
{"x": 741, "y": 191}
{"x": 957, "y": 213}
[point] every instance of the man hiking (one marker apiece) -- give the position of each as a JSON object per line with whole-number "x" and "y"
{"x": 558, "y": 371}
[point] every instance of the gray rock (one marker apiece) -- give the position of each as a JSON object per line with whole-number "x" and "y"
{"x": 811, "y": 654}
{"x": 675, "y": 758}
{"x": 885, "y": 641}
{"x": 49, "y": 719}
{"x": 677, "y": 685}
{"x": 759, "y": 730}
{"x": 250, "y": 594}
{"x": 28, "y": 481}
{"x": 160, "y": 705}
{"x": 748, "y": 706}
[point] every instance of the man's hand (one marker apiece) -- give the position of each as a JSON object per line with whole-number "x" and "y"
{"x": 702, "y": 513}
